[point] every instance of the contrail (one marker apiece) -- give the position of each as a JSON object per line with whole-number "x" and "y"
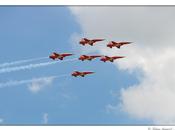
{"x": 20, "y": 61}
{"x": 20, "y": 82}
{"x": 31, "y": 66}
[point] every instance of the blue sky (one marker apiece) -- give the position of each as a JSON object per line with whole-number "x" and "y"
{"x": 31, "y": 32}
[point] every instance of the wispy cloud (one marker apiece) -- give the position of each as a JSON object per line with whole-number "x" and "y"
{"x": 38, "y": 85}
{"x": 111, "y": 108}
{"x": 1, "y": 120}
{"x": 45, "y": 118}
{"x": 47, "y": 80}
{"x": 31, "y": 66}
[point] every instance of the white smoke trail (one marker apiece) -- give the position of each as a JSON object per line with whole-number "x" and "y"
{"x": 20, "y": 82}
{"x": 31, "y": 66}
{"x": 21, "y": 61}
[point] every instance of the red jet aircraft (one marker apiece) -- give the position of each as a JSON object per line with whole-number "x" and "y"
{"x": 111, "y": 59}
{"x": 86, "y": 57}
{"x": 82, "y": 74}
{"x": 91, "y": 42}
{"x": 117, "y": 44}
{"x": 59, "y": 56}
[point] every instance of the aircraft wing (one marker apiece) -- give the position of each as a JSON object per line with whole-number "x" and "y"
{"x": 107, "y": 57}
{"x": 77, "y": 72}
{"x": 97, "y": 40}
{"x": 95, "y": 56}
{"x": 85, "y": 39}
{"x": 87, "y": 73}
{"x": 85, "y": 56}
{"x": 66, "y": 54}
{"x": 56, "y": 54}
{"x": 123, "y": 43}
{"x": 117, "y": 57}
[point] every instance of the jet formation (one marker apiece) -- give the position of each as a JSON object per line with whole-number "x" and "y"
{"x": 91, "y": 42}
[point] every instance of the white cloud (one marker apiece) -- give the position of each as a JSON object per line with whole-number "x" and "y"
{"x": 38, "y": 85}
{"x": 1, "y": 120}
{"x": 45, "y": 118}
{"x": 153, "y": 54}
